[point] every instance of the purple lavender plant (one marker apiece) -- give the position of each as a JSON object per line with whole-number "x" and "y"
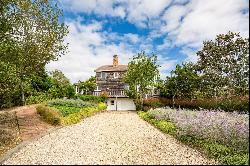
{"x": 229, "y": 128}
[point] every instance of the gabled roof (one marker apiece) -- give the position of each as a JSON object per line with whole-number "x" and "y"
{"x": 112, "y": 68}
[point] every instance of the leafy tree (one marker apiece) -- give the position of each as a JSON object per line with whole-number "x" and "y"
{"x": 88, "y": 85}
{"x": 59, "y": 78}
{"x": 40, "y": 82}
{"x": 32, "y": 36}
{"x": 142, "y": 74}
{"x": 61, "y": 85}
{"x": 184, "y": 83}
{"x": 8, "y": 85}
{"x": 224, "y": 65}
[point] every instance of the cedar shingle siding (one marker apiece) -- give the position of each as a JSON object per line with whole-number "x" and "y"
{"x": 110, "y": 83}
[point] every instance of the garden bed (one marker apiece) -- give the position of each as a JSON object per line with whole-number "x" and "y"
{"x": 221, "y": 135}
{"x": 67, "y": 111}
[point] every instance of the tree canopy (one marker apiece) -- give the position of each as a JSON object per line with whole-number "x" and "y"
{"x": 222, "y": 69}
{"x": 89, "y": 85}
{"x": 224, "y": 63}
{"x": 142, "y": 74}
{"x": 31, "y": 36}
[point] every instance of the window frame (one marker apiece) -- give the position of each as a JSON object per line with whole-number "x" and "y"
{"x": 112, "y": 102}
{"x": 103, "y": 75}
{"x": 115, "y": 75}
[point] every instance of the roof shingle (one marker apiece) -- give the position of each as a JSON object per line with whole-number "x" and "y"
{"x": 112, "y": 68}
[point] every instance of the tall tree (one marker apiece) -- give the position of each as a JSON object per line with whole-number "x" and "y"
{"x": 224, "y": 63}
{"x": 142, "y": 74}
{"x": 88, "y": 85}
{"x": 61, "y": 85}
{"x": 184, "y": 82}
{"x": 33, "y": 36}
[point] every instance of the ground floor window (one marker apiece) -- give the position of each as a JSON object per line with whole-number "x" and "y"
{"x": 112, "y": 102}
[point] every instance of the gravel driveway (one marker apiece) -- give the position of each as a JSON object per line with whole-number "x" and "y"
{"x": 108, "y": 138}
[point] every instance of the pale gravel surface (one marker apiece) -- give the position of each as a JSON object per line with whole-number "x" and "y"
{"x": 108, "y": 138}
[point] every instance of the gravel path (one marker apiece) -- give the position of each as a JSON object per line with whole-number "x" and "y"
{"x": 108, "y": 138}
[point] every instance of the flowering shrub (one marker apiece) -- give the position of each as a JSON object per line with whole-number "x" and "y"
{"x": 229, "y": 128}
{"x": 101, "y": 106}
{"x": 235, "y": 103}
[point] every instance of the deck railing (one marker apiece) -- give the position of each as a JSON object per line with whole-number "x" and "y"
{"x": 122, "y": 93}
{"x": 111, "y": 93}
{"x": 97, "y": 93}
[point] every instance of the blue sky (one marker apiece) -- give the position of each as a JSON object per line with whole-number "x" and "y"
{"x": 172, "y": 29}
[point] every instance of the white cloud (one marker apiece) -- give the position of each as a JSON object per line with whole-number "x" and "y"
{"x": 172, "y": 17}
{"x": 190, "y": 53}
{"x": 166, "y": 44}
{"x": 134, "y": 38}
{"x": 205, "y": 21}
{"x": 140, "y": 11}
{"x": 166, "y": 65}
{"x": 136, "y": 11}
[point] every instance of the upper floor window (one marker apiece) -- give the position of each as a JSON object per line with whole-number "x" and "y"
{"x": 116, "y": 74}
{"x": 126, "y": 87}
{"x": 103, "y": 75}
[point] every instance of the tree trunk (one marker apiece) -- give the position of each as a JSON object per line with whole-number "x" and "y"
{"x": 173, "y": 100}
{"x": 22, "y": 92}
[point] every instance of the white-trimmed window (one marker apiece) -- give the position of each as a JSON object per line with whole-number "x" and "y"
{"x": 116, "y": 74}
{"x": 103, "y": 75}
{"x": 112, "y": 102}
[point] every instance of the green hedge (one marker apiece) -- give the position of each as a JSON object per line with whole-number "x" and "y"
{"x": 235, "y": 103}
{"x": 48, "y": 114}
{"x": 92, "y": 98}
{"x": 83, "y": 113}
{"x": 223, "y": 154}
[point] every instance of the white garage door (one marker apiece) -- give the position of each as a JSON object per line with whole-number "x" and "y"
{"x": 120, "y": 104}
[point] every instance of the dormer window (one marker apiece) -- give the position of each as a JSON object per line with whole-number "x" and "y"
{"x": 116, "y": 74}
{"x": 103, "y": 75}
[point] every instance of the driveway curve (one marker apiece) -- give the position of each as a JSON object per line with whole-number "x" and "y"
{"x": 108, "y": 138}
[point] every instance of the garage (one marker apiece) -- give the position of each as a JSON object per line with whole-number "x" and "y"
{"x": 120, "y": 104}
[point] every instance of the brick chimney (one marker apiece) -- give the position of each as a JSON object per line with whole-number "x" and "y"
{"x": 115, "y": 60}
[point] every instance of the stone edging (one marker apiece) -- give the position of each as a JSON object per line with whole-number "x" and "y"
{"x": 14, "y": 150}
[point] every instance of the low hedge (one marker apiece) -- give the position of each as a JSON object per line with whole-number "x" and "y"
{"x": 222, "y": 153}
{"x": 48, "y": 114}
{"x": 92, "y": 98}
{"x": 235, "y": 103}
{"x": 83, "y": 113}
